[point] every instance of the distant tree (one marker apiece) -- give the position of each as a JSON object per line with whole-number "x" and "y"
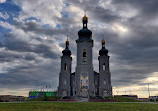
{"x": 45, "y": 97}
{"x": 6, "y": 100}
{"x": 151, "y": 99}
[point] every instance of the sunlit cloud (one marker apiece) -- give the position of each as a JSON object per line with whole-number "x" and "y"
{"x": 152, "y": 78}
{"x": 119, "y": 28}
{"x": 141, "y": 89}
{"x": 2, "y": 1}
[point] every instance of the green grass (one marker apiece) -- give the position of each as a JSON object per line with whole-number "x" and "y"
{"x": 74, "y": 106}
{"x": 123, "y": 99}
{"x": 120, "y": 99}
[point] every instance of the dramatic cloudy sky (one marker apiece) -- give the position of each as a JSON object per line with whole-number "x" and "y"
{"x": 33, "y": 34}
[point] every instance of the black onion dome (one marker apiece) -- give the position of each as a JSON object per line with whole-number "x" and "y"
{"x": 84, "y": 32}
{"x": 103, "y": 51}
{"x": 66, "y": 52}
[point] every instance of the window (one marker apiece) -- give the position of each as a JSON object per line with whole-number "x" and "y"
{"x": 65, "y": 67}
{"x": 64, "y": 82}
{"x": 84, "y": 59}
{"x": 104, "y": 81}
{"x": 85, "y": 25}
{"x": 95, "y": 82}
{"x": 104, "y": 66}
{"x": 84, "y": 55}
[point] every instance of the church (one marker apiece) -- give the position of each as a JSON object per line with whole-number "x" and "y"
{"x": 84, "y": 82}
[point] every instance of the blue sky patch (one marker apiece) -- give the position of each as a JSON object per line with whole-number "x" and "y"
{"x": 32, "y": 18}
{"x": 4, "y": 30}
{"x": 58, "y": 26}
{"x": 11, "y": 9}
{"x": 65, "y": 14}
{"x": 45, "y": 26}
{"x": 8, "y": 11}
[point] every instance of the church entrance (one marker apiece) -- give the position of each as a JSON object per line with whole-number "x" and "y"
{"x": 84, "y": 93}
{"x": 64, "y": 93}
{"x": 105, "y": 93}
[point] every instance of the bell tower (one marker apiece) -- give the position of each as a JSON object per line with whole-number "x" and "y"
{"x": 105, "y": 88}
{"x": 65, "y": 72}
{"x": 84, "y": 77}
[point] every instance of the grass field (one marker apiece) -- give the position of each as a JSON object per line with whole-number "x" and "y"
{"x": 120, "y": 99}
{"x": 123, "y": 99}
{"x": 74, "y": 106}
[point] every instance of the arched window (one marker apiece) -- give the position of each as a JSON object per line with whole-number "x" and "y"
{"x": 104, "y": 66}
{"x": 95, "y": 89}
{"x": 64, "y": 81}
{"x": 104, "y": 82}
{"x": 65, "y": 66}
{"x": 84, "y": 55}
{"x": 95, "y": 82}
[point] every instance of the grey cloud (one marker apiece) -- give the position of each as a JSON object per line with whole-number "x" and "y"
{"x": 28, "y": 75}
{"x": 10, "y": 42}
{"x": 148, "y": 8}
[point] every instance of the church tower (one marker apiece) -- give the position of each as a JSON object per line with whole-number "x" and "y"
{"x": 84, "y": 75}
{"x": 105, "y": 88}
{"x": 65, "y": 73}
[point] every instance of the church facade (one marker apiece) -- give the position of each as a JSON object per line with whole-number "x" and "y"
{"x": 84, "y": 82}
